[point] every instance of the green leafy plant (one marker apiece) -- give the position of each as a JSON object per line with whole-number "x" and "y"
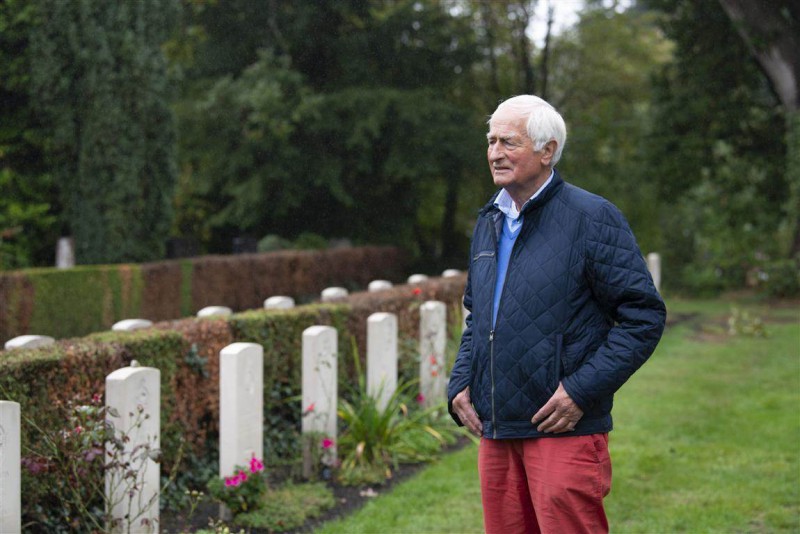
{"x": 288, "y": 507}
{"x": 242, "y": 491}
{"x": 376, "y": 439}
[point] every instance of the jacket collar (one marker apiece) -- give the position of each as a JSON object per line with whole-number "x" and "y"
{"x": 548, "y": 193}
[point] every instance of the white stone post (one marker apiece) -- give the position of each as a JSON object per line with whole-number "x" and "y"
{"x": 382, "y": 357}
{"x": 432, "y": 344}
{"x": 134, "y": 394}
{"x": 129, "y": 325}
{"x": 279, "y": 302}
{"x": 320, "y": 390}
{"x": 417, "y": 279}
{"x": 379, "y": 285}
{"x": 450, "y": 273}
{"x": 65, "y": 253}
{"x": 241, "y": 406}
{"x": 212, "y": 311}
{"x": 654, "y": 265}
{"x": 331, "y": 294}
{"x": 28, "y": 342}
{"x": 10, "y": 487}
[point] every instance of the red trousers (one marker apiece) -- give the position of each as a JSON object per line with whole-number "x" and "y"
{"x": 550, "y": 485}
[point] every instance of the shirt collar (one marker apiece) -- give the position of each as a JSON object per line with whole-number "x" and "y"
{"x": 506, "y": 204}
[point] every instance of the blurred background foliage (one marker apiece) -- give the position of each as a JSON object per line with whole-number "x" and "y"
{"x": 125, "y": 124}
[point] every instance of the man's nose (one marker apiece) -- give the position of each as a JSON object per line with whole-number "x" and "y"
{"x": 495, "y": 152}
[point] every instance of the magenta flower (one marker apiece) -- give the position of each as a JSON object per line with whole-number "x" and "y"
{"x": 327, "y": 443}
{"x": 420, "y": 398}
{"x": 256, "y": 465}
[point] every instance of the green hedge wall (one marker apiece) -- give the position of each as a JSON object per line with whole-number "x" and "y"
{"x": 85, "y": 299}
{"x": 187, "y": 353}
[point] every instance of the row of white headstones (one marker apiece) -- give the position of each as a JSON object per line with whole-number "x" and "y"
{"x": 134, "y": 393}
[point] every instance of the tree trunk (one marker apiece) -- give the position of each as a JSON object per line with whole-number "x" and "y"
{"x": 544, "y": 65}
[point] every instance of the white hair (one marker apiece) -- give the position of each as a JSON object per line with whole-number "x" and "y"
{"x": 543, "y": 122}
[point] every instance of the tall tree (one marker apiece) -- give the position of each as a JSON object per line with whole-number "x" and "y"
{"x": 771, "y": 31}
{"x": 28, "y": 201}
{"x": 99, "y": 77}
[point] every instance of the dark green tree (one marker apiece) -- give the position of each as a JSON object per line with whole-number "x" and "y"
{"x": 716, "y": 150}
{"x": 28, "y": 200}
{"x": 99, "y": 78}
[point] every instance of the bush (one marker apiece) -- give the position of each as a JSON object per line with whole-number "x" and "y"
{"x": 781, "y": 278}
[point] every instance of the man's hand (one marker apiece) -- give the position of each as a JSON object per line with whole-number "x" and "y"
{"x": 559, "y": 414}
{"x": 462, "y": 406}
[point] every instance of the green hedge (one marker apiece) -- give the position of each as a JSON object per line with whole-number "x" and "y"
{"x": 187, "y": 353}
{"x": 85, "y": 299}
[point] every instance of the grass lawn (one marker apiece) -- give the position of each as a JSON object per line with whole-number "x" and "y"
{"x": 707, "y": 439}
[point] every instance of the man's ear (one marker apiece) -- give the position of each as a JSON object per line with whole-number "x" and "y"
{"x": 549, "y": 151}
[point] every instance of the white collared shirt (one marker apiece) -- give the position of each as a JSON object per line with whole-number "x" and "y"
{"x": 506, "y": 204}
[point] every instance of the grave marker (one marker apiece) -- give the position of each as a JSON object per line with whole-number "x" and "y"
{"x": 331, "y": 294}
{"x": 135, "y": 394}
{"x": 28, "y": 342}
{"x": 654, "y": 266}
{"x": 382, "y": 357}
{"x": 417, "y": 279}
{"x": 241, "y": 406}
{"x": 279, "y": 302}
{"x": 212, "y": 311}
{"x": 379, "y": 285}
{"x": 432, "y": 343}
{"x": 320, "y": 390}
{"x": 10, "y": 487}
{"x": 129, "y": 325}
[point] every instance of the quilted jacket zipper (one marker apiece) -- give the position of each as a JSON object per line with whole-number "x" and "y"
{"x": 491, "y": 372}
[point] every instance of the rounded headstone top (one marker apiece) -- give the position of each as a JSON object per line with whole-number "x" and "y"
{"x": 279, "y": 302}
{"x": 211, "y": 311}
{"x": 29, "y": 342}
{"x": 129, "y": 325}
{"x": 379, "y": 285}
{"x": 417, "y": 278}
{"x": 333, "y": 293}
{"x": 449, "y": 273}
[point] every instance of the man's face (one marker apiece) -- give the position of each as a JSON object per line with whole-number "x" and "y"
{"x": 514, "y": 165}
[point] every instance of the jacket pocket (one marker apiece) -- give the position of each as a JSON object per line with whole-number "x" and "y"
{"x": 489, "y": 254}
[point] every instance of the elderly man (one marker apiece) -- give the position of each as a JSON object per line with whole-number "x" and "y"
{"x": 562, "y": 312}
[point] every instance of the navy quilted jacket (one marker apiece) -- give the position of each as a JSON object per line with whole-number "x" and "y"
{"x": 578, "y": 306}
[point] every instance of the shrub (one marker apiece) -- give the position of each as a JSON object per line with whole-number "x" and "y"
{"x": 781, "y": 278}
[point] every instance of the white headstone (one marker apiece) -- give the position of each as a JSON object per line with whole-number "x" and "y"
{"x": 379, "y": 285}
{"x": 135, "y": 393}
{"x": 65, "y": 253}
{"x": 654, "y": 265}
{"x": 279, "y": 302}
{"x": 382, "y": 357}
{"x": 129, "y": 325}
{"x": 29, "y": 342}
{"x": 417, "y": 278}
{"x": 10, "y": 487}
{"x": 449, "y": 273}
{"x": 320, "y": 387}
{"x": 241, "y": 406}
{"x": 432, "y": 344}
{"x": 211, "y": 311}
{"x": 330, "y": 294}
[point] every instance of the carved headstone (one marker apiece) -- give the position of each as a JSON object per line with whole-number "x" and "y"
{"x": 379, "y": 285}
{"x": 28, "y": 342}
{"x": 382, "y": 356}
{"x": 432, "y": 344}
{"x": 331, "y": 294}
{"x": 212, "y": 311}
{"x": 10, "y": 488}
{"x": 129, "y": 325}
{"x": 279, "y": 302}
{"x": 320, "y": 390}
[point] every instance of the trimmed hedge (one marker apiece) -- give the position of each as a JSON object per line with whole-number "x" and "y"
{"x": 85, "y": 299}
{"x": 187, "y": 353}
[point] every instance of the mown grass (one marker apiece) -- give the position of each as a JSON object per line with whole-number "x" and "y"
{"x": 707, "y": 439}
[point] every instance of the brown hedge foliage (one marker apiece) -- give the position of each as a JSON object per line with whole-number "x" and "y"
{"x": 104, "y": 294}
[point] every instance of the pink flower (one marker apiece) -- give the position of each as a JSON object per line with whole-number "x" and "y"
{"x": 231, "y": 481}
{"x": 309, "y": 409}
{"x": 242, "y": 476}
{"x": 256, "y": 465}
{"x": 434, "y": 373}
{"x": 433, "y": 359}
{"x": 78, "y": 429}
{"x": 420, "y": 398}
{"x": 327, "y": 443}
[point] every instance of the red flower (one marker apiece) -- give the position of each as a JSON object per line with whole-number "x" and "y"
{"x": 309, "y": 409}
{"x": 417, "y": 291}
